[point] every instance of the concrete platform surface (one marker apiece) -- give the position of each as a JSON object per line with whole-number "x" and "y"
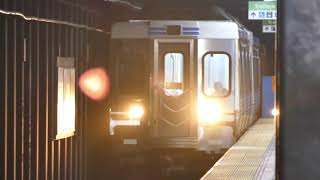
{"x": 251, "y": 158}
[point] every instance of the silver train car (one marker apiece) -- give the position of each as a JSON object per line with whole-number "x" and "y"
{"x": 183, "y": 84}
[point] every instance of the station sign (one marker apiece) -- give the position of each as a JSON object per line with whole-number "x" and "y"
{"x": 269, "y": 26}
{"x": 262, "y": 10}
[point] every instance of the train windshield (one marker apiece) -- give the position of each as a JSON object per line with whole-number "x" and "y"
{"x": 173, "y": 74}
{"x": 216, "y": 67}
{"x": 132, "y": 75}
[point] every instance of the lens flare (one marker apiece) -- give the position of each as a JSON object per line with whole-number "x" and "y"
{"x": 95, "y": 84}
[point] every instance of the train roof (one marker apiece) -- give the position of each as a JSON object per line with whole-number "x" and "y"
{"x": 222, "y": 29}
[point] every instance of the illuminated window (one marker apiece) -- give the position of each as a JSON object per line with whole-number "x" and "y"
{"x": 173, "y": 70}
{"x": 216, "y": 75}
{"x": 66, "y": 98}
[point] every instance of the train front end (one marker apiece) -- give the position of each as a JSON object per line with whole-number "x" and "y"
{"x": 173, "y": 85}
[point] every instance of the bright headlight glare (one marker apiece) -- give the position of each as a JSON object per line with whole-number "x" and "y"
{"x": 136, "y": 111}
{"x": 275, "y": 112}
{"x": 209, "y": 111}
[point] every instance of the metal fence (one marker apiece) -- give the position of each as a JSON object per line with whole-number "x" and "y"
{"x": 30, "y": 42}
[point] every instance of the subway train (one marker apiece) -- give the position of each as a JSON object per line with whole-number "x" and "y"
{"x": 182, "y": 84}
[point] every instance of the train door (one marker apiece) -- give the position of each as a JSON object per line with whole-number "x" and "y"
{"x": 173, "y": 92}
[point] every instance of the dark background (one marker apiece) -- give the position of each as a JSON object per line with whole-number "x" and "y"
{"x": 28, "y": 89}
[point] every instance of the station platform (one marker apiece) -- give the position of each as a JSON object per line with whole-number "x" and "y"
{"x": 251, "y": 158}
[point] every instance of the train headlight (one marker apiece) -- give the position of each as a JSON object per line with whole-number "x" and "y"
{"x": 136, "y": 111}
{"x": 209, "y": 111}
{"x": 275, "y": 112}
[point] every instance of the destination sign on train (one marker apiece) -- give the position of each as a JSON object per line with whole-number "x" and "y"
{"x": 262, "y": 10}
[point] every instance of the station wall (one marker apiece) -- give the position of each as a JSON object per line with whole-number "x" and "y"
{"x": 28, "y": 86}
{"x": 268, "y": 97}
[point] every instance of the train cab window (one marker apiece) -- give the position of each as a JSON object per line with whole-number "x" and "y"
{"x": 173, "y": 74}
{"x": 216, "y": 75}
{"x": 131, "y": 74}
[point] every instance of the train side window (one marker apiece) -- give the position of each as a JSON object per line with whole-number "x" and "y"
{"x": 216, "y": 74}
{"x": 173, "y": 74}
